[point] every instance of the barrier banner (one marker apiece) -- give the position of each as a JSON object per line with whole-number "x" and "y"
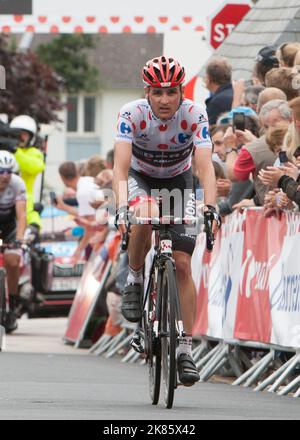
{"x": 248, "y": 288}
{"x": 90, "y": 287}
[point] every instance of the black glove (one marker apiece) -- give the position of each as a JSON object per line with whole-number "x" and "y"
{"x": 210, "y": 214}
{"x": 122, "y": 216}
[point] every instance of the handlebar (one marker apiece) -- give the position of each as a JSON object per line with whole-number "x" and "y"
{"x": 171, "y": 220}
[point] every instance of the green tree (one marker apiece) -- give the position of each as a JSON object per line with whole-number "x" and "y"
{"x": 32, "y": 87}
{"x": 68, "y": 56}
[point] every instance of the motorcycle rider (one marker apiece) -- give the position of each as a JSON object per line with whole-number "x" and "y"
{"x": 31, "y": 163}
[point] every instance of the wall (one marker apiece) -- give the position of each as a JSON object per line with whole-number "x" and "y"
{"x": 108, "y": 106}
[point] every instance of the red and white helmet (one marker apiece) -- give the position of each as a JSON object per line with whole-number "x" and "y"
{"x": 163, "y": 72}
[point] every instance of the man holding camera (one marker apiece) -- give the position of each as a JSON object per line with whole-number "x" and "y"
{"x": 31, "y": 163}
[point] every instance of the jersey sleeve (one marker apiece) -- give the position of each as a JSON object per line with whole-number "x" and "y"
{"x": 20, "y": 190}
{"x": 125, "y": 125}
{"x": 200, "y": 126}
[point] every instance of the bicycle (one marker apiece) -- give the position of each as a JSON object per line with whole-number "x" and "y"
{"x": 161, "y": 325}
{"x": 4, "y": 300}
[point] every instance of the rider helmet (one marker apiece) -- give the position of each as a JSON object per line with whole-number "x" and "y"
{"x": 163, "y": 72}
{"x": 25, "y": 123}
{"x": 7, "y": 160}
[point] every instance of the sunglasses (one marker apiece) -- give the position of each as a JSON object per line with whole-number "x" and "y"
{"x": 4, "y": 171}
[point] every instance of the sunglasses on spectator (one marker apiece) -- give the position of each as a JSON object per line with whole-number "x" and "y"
{"x": 297, "y": 152}
{"x": 4, "y": 171}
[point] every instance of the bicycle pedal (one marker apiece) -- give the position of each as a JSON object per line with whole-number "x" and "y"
{"x": 137, "y": 345}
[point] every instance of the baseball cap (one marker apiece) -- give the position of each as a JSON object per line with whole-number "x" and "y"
{"x": 267, "y": 55}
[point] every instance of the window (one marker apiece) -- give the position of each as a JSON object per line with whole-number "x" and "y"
{"x": 72, "y": 119}
{"x": 81, "y": 114}
{"x": 89, "y": 113}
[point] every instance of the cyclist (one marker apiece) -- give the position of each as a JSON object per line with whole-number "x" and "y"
{"x": 153, "y": 150}
{"x": 12, "y": 227}
{"x": 31, "y": 163}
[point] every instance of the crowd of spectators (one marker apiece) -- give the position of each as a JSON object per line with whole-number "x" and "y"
{"x": 255, "y": 130}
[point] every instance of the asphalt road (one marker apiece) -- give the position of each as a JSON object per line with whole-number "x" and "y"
{"x": 42, "y": 378}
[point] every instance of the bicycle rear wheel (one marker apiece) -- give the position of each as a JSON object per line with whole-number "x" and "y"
{"x": 2, "y": 297}
{"x": 152, "y": 343}
{"x": 168, "y": 332}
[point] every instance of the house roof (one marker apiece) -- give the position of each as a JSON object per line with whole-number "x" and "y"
{"x": 118, "y": 57}
{"x": 269, "y": 22}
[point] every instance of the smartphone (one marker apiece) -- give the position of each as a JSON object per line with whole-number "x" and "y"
{"x": 297, "y": 153}
{"x": 53, "y": 198}
{"x": 239, "y": 121}
{"x": 283, "y": 157}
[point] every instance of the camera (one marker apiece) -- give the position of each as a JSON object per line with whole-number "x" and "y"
{"x": 9, "y": 138}
{"x": 238, "y": 121}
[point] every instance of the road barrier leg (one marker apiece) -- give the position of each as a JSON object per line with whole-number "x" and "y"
{"x": 297, "y": 393}
{"x": 128, "y": 355}
{"x": 260, "y": 365}
{"x": 111, "y": 343}
{"x": 290, "y": 387}
{"x": 208, "y": 356}
{"x": 294, "y": 361}
{"x": 134, "y": 358}
{"x": 98, "y": 344}
{"x": 269, "y": 380}
{"x": 200, "y": 350}
{"x": 122, "y": 344}
{"x": 235, "y": 365}
{"x": 209, "y": 369}
{"x": 267, "y": 360}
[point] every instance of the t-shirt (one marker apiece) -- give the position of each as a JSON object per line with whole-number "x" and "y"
{"x": 163, "y": 149}
{"x": 14, "y": 192}
{"x": 86, "y": 193}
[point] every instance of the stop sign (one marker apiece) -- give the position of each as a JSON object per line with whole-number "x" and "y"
{"x": 225, "y": 21}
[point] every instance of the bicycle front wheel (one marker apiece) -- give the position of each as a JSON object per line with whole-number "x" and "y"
{"x": 168, "y": 332}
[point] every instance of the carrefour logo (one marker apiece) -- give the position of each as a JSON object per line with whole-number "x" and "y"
{"x": 205, "y": 133}
{"x": 125, "y": 128}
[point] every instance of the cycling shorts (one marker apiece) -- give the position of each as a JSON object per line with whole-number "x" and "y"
{"x": 178, "y": 199}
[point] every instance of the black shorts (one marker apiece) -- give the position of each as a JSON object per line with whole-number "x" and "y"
{"x": 178, "y": 199}
{"x": 8, "y": 232}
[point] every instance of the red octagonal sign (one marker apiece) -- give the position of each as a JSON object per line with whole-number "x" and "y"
{"x": 225, "y": 21}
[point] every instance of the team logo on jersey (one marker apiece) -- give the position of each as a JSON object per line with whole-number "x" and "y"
{"x": 205, "y": 133}
{"x": 125, "y": 128}
{"x": 126, "y": 115}
{"x": 202, "y": 118}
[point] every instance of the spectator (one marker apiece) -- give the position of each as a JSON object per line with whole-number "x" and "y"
{"x": 284, "y": 78}
{"x": 297, "y": 61}
{"x": 250, "y": 97}
{"x": 94, "y": 166}
{"x": 286, "y": 53}
{"x": 218, "y": 82}
{"x": 275, "y": 136}
{"x": 217, "y": 135}
{"x": 110, "y": 159}
{"x": 268, "y": 94}
{"x": 86, "y": 191}
{"x": 256, "y": 155}
{"x": 266, "y": 60}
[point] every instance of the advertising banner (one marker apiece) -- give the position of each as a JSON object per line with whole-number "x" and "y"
{"x": 89, "y": 289}
{"x": 248, "y": 288}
